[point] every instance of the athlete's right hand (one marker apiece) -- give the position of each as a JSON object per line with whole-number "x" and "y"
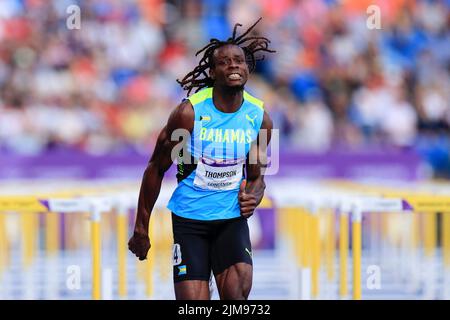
{"x": 139, "y": 244}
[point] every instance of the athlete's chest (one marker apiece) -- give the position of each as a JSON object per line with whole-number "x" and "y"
{"x": 240, "y": 127}
{"x": 219, "y": 135}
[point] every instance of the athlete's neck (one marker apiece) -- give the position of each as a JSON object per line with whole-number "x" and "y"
{"x": 228, "y": 99}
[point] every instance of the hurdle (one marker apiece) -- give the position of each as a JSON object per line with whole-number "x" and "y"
{"x": 419, "y": 204}
{"x": 310, "y": 212}
{"x": 304, "y": 205}
{"x": 70, "y": 201}
{"x": 300, "y": 210}
{"x": 429, "y": 206}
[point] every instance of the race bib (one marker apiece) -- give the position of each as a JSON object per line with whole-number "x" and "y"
{"x": 213, "y": 174}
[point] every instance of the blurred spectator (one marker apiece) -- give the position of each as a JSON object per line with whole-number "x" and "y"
{"x": 110, "y": 86}
{"x": 315, "y": 130}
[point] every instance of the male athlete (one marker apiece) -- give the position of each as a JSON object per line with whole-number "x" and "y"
{"x": 219, "y": 185}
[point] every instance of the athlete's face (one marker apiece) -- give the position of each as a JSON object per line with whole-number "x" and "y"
{"x": 229, "y": 67}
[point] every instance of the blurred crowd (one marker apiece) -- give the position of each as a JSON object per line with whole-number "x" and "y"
{"x": 335, "y": 81}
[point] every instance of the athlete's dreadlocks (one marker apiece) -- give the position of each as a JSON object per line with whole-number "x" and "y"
{"x": 192, "y": 80}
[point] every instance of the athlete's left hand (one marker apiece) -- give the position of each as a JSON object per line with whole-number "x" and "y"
{"x": 247, "y": 201}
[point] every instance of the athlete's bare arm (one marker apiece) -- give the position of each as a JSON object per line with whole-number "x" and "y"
{"x": 181, "y": 118}
{"x": 252, "y": 190}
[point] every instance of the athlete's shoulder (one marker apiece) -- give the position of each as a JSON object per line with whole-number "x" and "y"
{"x": 200, "y": 96}
{"x": 267, "y": 122}
{"x": 253, "y": 100}
{"x": 182, "y": 116}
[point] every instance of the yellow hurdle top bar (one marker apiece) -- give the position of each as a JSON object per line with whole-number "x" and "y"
{"x": 418, "y": 201}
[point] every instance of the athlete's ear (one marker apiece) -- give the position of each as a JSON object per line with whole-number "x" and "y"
{"x": 212, "y": 73}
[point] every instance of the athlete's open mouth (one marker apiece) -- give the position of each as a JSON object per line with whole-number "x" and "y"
{"x": 234, "y": 76}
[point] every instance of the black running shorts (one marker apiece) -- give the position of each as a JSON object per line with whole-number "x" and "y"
{"x": 202, "y": 246}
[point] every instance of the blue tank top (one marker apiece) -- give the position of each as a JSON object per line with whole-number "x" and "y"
{"x": 208, "y": 187}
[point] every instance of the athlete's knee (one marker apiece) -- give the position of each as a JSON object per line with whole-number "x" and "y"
{"x": 246, "y": 286}
{"x": 233, "y": 291}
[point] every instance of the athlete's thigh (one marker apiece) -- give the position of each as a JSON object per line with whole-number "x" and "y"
{"x": 191, "y": 260}
{"x": 232, "y": 259}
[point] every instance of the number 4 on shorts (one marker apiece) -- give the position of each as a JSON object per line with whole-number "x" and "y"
{"x": 176, "y": 254}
